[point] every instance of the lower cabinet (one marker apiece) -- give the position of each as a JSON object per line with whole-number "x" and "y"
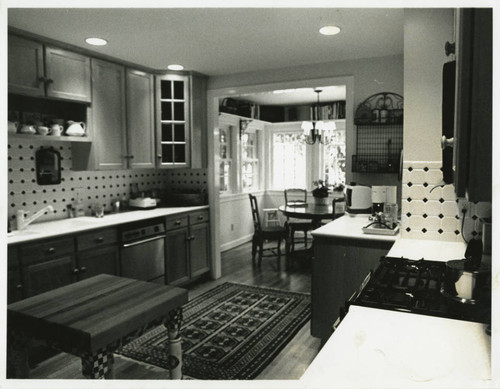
{"x": 14, "y": 283}
{"x": 339, "y": 268}
{"x": 43, "y": 265}
{"x": 97, "y": 252}
{"x": 47, "y": 265}
{"x": 187, "y": 247}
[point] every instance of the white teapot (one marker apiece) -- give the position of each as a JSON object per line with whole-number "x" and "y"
{"x": 75, "y": 128}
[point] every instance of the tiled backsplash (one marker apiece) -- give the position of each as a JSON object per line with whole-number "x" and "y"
{"x": 432, "y": 212}
{"x": 91, "y": 186}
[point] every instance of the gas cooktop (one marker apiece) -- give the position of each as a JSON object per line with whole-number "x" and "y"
{"x": 416, "y": 286}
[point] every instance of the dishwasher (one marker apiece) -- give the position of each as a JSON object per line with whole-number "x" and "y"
{"x": 143, "y": 251}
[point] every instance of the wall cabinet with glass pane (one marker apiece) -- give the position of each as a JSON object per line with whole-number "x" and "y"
{"x": 173, "y": 121}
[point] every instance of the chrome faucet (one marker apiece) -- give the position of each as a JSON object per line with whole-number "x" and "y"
{"x": 22, "y": 223}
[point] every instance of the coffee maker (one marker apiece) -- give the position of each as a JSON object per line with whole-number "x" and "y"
{"x": 384, "y": 200}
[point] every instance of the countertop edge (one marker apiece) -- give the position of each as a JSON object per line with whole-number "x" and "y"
{"x": 54, "y": 228}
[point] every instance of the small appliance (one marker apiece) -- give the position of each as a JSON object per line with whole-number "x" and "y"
{"x": 358, "y": 199}
{"x": 382, "y": 195}
{"x": 142, "y": 203}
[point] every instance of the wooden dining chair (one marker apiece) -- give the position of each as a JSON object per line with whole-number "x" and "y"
{"x": 297, "y": 196}
{"x": 267, "y": 233}
{"x": 334, "y": 202}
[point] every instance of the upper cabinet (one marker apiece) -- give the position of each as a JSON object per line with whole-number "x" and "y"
{"x": 473, "y": 105}
{"x": 122, "y": 120}
{"x": 43, "y": 71}
{"x": 181, "y": 121}
{"x": 140, "y": 119}
{"x": 108, "y": 115}
{"x": 173, "y": 121}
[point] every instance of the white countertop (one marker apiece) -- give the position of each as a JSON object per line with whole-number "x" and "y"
{"x": 431, "y": 250}
{"x": 381, "y": 348}
{"x": 67, "y": 226}
{"x": 350, "y": 226}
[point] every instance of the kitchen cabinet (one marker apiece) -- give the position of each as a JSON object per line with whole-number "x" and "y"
{"x": 45, "y": 71}
{"x": 47, "y": 265}
{"x": 173, "y": 120}
{"x": 472, "y": 156}
{"x": 97, "y": 253}
{"x": 198, "y": 117}
{"x": 187, "y": 247}
{"x": 140, "y": 119}
{"x": 181, "y": 121}
{"x": 109, "y": 148}
{"x": 14, "y": 283}
{"x": 122, "y": 120}
{"x": 51, "y": 263}
{"x": 339, "y": 267}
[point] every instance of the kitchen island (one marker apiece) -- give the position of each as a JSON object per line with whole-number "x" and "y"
{"x": 343, "y": 256}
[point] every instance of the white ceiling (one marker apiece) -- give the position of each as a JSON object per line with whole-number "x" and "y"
{"x": 221, "y": 41}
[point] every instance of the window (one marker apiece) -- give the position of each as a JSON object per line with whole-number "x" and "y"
{"x": 296, "y": 164}
{"x": 249, "y": 162}
{"x": 225, "y": 158}
{"x": 288, "y": 160}
{"x": 334, "y": 158}
{"x": 240, "y": 155}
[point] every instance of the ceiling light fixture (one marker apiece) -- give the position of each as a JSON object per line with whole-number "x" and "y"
{"x": 175, "y": 67}
{"x": 317, "y": 130}
{"x": 96, "y": 41}
{"x": 329, "y": 30}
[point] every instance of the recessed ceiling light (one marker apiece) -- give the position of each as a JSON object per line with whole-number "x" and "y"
{"x": 329, "y": 30}
{"x": 96, "y": 41}
{"x": 175, "y": 67}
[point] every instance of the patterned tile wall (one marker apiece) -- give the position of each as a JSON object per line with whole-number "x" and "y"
{"x": 429, "y": 211}
{"x": 91, "y": 186}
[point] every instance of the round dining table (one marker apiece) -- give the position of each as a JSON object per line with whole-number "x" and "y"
{"x": 311, "y": 211}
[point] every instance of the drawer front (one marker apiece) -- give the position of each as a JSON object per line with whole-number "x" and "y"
{"x": 46, "y": 250}
{"x": 199, "y": 217}
{"x": 175, "y": 221}
{"x": 96, "y": 239}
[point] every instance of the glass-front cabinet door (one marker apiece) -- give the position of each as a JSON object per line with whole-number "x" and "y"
{"x": 173, "y": 121}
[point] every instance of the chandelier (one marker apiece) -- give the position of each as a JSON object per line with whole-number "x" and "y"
{"x": 317, "y": 130}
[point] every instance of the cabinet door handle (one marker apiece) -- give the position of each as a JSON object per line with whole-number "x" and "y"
{"x": 100, "y": 239}
{"x": 42, "y": 79}
{"x": 191, "y": 237}
{"x": 158, "y": 156}
{"x": 49, "y": 80}
{"x": 76, "y": 271}
{"x": 200, "y": 217}
{"x": 83, "y": 269}
{"x": 19, "y": 286}
{"x": 447, "y": 142}
{"x": 51, "y": 250}
{"x": 177, "y": 223}
{"x": 449, "y": 48}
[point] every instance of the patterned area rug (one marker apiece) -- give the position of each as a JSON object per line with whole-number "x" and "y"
{"x": 230, "y": 332}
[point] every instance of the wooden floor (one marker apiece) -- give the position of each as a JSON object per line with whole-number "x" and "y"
{"x": 290, "y": 364}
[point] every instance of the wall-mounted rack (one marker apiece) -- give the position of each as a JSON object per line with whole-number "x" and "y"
{"x": 379, "y": 136}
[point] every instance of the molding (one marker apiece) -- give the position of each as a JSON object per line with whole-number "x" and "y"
{"x": 236, "y": 243}
{"x": 93, "y": 54}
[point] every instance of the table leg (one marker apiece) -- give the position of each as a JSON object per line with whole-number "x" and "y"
{"x": 98, "y": 365}
{"x": 17, "y": 355}
{"x": 173, "y": 326}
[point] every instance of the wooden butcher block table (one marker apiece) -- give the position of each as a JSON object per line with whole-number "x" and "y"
{"x": 92, "y": 319}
